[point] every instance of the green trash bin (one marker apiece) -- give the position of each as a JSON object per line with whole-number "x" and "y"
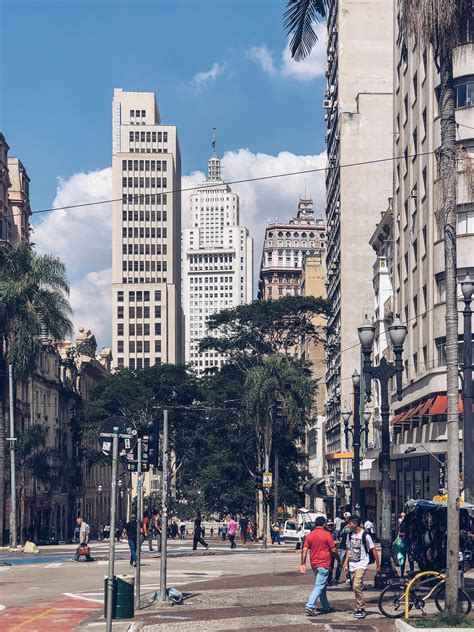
{"x": 123, "y": 597}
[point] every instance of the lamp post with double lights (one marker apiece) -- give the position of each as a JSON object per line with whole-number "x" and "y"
{"x": 467, "y": 288}
{"x": 356, "y": 432}
{"x": 383, "y": 372}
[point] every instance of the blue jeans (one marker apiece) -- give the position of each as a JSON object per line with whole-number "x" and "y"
{"x": 133, "y": 550}
{"x": 319, "y": 589}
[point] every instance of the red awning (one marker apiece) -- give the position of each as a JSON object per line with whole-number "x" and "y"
{"x": 407, "y": 415}
{"x": 425, "y": 407}
{"x": 440, "y": 405}
{"x": 416, "y": 412}
{"x": 396, "y": 418}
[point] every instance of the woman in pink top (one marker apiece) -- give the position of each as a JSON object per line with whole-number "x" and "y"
{"x": 231, "y": 530}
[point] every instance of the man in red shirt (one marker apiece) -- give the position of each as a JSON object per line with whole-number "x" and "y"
{"x": 321, "y": 549}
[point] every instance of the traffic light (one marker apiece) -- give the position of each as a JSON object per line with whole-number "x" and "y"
{"x": 266, "y": 497}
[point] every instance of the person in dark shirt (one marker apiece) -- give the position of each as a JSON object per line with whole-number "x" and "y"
{"x": 243, "y": 525}
{"x": 131, "y": 529}
{"x": 198, "y": 533}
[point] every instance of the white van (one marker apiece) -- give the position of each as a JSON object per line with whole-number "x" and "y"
{"x": 295, "y": 530}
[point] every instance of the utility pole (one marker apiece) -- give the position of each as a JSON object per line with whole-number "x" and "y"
{"x": 139, "y": 524}
{"x": 111, "y": 578}
{"x": 164, "y": 517}
{"x": 12, "y": 439}
{"x": 467, "y": 288}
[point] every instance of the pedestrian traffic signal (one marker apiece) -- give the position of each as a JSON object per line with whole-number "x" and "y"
{"x": 266, "y": 497}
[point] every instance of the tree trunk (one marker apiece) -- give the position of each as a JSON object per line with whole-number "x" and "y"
{"x": 276, "y": 475}
{"x": 448, "y": 167}
{"x": 22, "y": 513}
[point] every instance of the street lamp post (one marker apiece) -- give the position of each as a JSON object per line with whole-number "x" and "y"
{"x": 120, "y": 497}
{"x": 356, "y": 432}
{"x": 383, "y": 372}
{"x": 467, "y": 287}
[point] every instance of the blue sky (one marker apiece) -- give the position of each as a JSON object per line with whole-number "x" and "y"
{"x": 61, "y": 61}
{"x": 221, "y": 63}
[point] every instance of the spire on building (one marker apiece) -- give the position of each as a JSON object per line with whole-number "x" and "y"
{"x": 214, "y": 163}
{"x": 305, "y": 208}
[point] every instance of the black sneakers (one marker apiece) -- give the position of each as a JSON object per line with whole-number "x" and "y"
{"x": 359, "y": 614}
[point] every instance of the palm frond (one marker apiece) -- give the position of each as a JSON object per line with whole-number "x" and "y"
{"x": 299, "y": 17}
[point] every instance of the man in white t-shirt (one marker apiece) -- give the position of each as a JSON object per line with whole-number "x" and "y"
{"x": 369, "y": 527}
{"x": 359, "y": 546}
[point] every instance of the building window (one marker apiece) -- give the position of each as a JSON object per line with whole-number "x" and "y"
{"x": 119, "y": 311}
{"x": 120, "y": 329}
{"x": 120, "y": 346}
{"x": 120, "y": 363}
{"x": 465, "y": 222}
{"x": 441, "y": 290}
{"x": 441, "y": 351}
{"x": 120, "y": 296}
{"x": 464, "y": 93}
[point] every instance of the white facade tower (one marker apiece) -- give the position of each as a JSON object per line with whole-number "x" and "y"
{"x": 146, "y": 226}
{"x": 217, "y": 262}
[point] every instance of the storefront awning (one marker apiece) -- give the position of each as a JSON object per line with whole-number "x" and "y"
{"x": 333, "y": 456}
{"x": 425, "y": 407}
{"x": 440, "y": 405}
{"x": 407, "y": 415}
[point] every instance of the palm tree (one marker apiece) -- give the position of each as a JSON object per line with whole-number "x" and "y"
{"x": 33, "y": 460}
{"x": 33, "y": 300}
{"x": 441, "y": 25}
{"x": 276, "y": 381}
{"x": 299, "y": 17}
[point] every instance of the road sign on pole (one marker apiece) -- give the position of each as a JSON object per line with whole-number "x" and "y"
{"x": 110, "y": 577}
{"x": 267, "y": 479}
{"x": 127, "y": 435}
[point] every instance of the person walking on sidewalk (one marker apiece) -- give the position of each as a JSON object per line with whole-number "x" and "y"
{"x": 321, "y": 549}
{"x": 131, "y": 529}
{"x": 360, "y": 549}
{"x": 232, "y": 530}
{"x": 84, "y": 536}
{"x": 243, "y": 525}
{"x": 344, "y": 533}
{"x": 198, "y": 533}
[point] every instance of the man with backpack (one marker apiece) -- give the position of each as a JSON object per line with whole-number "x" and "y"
{"x": 360, "y": 553}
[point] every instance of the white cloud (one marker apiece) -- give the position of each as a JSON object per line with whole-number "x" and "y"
{"x": 202, "y": 79}
{"x": 263, "y": 56}
{"x": 82, "y": 237}
{"x": 310, "y": 68}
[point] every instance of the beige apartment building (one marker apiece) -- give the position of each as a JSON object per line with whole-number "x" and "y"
{"x": 146, "y": 234}
{"x": 419, "y": 289}
{"x": 19, "y": 202}
{"x": 4, "y": 186}
{"x": 285, "y": 248}
{"x": 359, "y": 104}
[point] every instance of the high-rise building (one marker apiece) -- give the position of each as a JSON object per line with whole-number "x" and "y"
{"x": 285, "y": 248}
{"x": 4, "y": 186}
{"x": 217, "y": 262}
{"x": 359, "y": 106}
{"x": 19, "y": 202}
{"x": 146, "y": 226}
{"x": 419, "y": 278}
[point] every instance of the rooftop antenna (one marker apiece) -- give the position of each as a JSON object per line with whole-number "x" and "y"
{"x": 213, "y": 141}
{"x": 305, "y": 189}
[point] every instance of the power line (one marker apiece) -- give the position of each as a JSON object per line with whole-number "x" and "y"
{"x": 242, "y": 181}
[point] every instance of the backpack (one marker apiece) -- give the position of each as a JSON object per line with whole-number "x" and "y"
{"x": 366, "y": 546}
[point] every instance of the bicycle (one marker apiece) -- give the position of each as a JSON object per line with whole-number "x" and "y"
{"x": 392, "y": 602}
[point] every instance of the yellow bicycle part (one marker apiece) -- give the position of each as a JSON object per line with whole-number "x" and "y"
{"x": 410, "y": 584}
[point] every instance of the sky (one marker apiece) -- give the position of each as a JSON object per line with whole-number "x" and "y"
{"x": 222, "y": 64}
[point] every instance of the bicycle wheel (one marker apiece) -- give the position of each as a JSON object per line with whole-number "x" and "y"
{"x": 464, "y": 601}
{"x": 392, "y": 601}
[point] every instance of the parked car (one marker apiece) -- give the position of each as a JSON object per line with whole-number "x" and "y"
{"x": 293, "y": 533}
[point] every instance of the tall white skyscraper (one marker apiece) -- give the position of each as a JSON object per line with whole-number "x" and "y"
{"x": 217, "y": 262}
{"x": 146, "y": 227}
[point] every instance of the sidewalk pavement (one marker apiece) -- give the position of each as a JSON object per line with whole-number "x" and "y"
{"x": 266, "y": 602}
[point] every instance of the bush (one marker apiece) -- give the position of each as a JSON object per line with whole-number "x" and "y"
{"x": 443, "y": 620}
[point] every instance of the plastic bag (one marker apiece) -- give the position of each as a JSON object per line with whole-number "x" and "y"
{"x": 398, "y": 551}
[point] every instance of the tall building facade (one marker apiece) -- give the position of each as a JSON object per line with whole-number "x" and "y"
{"x": 19, "y": 202}
{"x": 359, "y": 105}
{"x": 146, "y": 227}
{"x": 285, "y": 248}
{"x": 217, "y": 262}
{"x": 4, "y": 186}
{"x": 419, "y": 286}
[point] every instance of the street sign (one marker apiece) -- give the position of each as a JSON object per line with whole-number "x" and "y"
{"x": 132, "y": 456}
{"x": 267, "y": 479}
{"x": 127, "y": 435}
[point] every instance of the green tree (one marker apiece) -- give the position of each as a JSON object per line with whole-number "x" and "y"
{"x": 299, "y": 18}
{"x": 248, "y": 332}
{"x": 33, "y": 461}
{"x": 276, "y": 381}
{"x": 442, "y": 24}
{"x": 33, "y": 299}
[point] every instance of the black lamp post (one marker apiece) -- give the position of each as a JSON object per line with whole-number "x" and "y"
{"x": 467, "y": 287}
{"x": 383, "y": 372}
{"x": 356, "y": 432}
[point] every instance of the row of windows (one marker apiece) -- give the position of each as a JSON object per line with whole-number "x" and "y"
{"x": 211, "y": 258}
{"x": 120, "y": 329}
{"x": 144, "y": 280}
{"x": 139, "y": 295}
{"x": 145, "y": 183}
{"x": 138, "y": 347}
{"x": 144, "y": 216}
{"x": 144, "y": 232}
{"x": 144, "y": 249}
{"x": 144, "y": 266}
{"x": 144, "y": 165}
{"x": 145, "y": 198}
{"x": 137, "y": 113}
{"x": 148, "y": 137}
{"x": 296, "y": 234}
{"x": 138, "y": 312}
{"x": 141, "y": 363}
